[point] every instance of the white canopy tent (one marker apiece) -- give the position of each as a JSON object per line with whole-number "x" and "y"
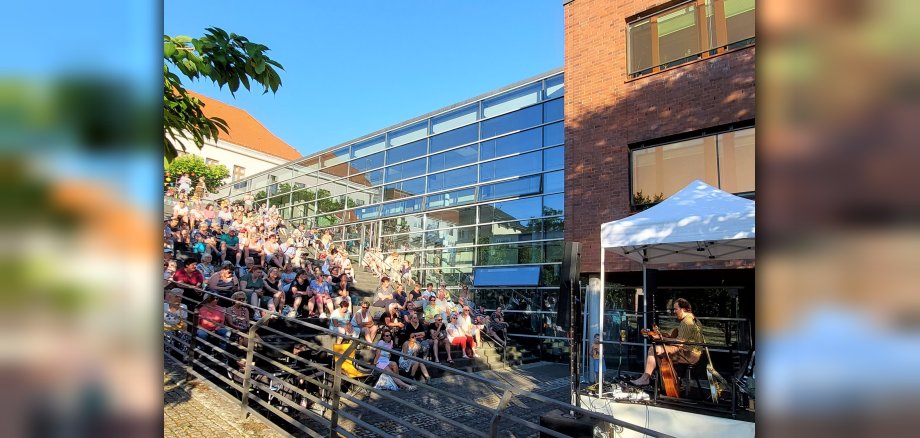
{"x": 698, "y": 223}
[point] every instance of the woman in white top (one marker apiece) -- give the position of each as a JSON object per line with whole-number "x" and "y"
{"x": 456, "y": 336}
{"x": 382, "y": 361}
{"x": 468, "y": 326}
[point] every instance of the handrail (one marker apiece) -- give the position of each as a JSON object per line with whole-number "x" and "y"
{"x": 498, "y": 413}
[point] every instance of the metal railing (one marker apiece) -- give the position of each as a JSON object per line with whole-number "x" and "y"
{"x": 323, "y": 391}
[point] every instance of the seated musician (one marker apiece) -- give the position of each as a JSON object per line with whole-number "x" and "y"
{"x": 687, "y": 331}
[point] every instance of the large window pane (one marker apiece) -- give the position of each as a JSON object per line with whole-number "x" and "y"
{"x": 450, "y": 218}
{"x": 402, "y": 207}
{"x": 736, "y": 161}
{"x": 512, "y": 166}
{"x": 367, "y": 212}
{"x": 448, "y": 199}
{"x": 553, "y": 205}
{"x": 335, "y": 157}
{"x": 553, "y": 134}
{"x": 510, "y": 210}
{"x": 407, "y": 152}
{"x": 553, "y": 158}
{"x": 453, "y": 158}
{"x": 552, "y": 110}
{"x": 368, "y": 179}
{"x": 453, "y": 138}
{"x": 518, "y": 187}
{"x": 640, "y": 46}
{"x": 663, "y": 170}
{"x": 401, "y": 242}
{"x": 450, "y": 237}
{"x": 511, "y": 144}
{"x": 452, "y": 178}
{"x": 511, "y": 101}
{"x": 553, "y": 227}
{"x": 508, "y": 232}
{"x": 405, "y": 170}
{"x": 367, "y": 147}
{"x": 403, "y": 224}
{"x": 517, "y": 120}
{"x": 553, "y": 182}
{"x": 454, "y": 119}
{"x": 367, "y": 162}
{"x": 511, "y": 254}
{"x": 678, "y": 35}
{"x": 555, "y": 87}
{"x": 739, "y": 17}
{"x": 409, "y": 134}
{"x": 364, "y": 197}
{"x": 404, "y": 189}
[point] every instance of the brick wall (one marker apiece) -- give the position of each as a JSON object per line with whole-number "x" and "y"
{"x": 605, "y": 111}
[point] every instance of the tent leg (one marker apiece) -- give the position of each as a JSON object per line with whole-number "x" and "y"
{"x": 644, "y": 306}
{"x": 600, "y": 329}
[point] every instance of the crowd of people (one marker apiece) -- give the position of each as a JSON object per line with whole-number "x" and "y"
{"x": 219, "y": 258}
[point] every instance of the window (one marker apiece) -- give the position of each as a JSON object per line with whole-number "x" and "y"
{"x": 211, "y": 162}
{"x": 515, "y": 121}
{"x": 409, "y": 134}
{"x": 511, "y": 144}
{"x": 238, "y": 172}
{"x": 405, "y": 170}
{"x": 407, "y": 152}
{"x": 452, "y": 178}
{"x": 511, "y": 166}
{"x": 519, "y": 187}
{"x": 453, "y": 158}
{"x": 688, "y": 31}
{"x": 725, "y": 161}
{"x": 511, "y": 101}
{"x": 453, "y": 138}
{"x": 454, "y": 119}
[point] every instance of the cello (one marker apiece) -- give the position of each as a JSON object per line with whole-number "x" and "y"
{"x": 665, "y": 367}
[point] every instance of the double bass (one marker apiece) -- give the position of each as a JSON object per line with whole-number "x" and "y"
{"x": 668, "y": 376}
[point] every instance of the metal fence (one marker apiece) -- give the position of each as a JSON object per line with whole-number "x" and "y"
{"x": 312, "y": 381}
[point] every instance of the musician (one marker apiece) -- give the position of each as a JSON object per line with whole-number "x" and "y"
{"x": 687, "y": 331}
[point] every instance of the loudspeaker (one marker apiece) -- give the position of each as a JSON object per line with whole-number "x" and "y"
{"x": 571, "y": 261}
{"x": 579, "y": 426}
{"x": 568, "y": 281}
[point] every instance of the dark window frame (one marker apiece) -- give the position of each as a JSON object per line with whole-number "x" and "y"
{"x": 722, "y": 45}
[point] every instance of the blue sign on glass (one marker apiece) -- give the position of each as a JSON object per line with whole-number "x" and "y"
{"x": 506, "y": 276}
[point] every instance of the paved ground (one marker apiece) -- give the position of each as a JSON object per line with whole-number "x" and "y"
{"x": 197, "y": 410}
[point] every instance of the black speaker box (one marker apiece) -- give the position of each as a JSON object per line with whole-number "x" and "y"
{"x": 579, "y": 426}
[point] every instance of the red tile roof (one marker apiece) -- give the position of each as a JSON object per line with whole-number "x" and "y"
{"x": 245, "y": 130}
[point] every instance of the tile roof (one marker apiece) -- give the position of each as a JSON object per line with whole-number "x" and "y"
{"x": 245, "y": 130}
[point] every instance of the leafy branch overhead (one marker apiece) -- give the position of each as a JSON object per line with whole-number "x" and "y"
{"x": 226, "y": 59}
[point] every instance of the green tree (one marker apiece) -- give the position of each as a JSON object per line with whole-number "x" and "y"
{"x": 225, "y": 59}
{"x": 214, "y": 175}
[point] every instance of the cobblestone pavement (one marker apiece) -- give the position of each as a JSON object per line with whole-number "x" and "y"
{"x": 197, "y": 410}
{"x": 203, "y": 411}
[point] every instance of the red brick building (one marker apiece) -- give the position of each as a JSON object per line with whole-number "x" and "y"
{"x": 658, "y": 93}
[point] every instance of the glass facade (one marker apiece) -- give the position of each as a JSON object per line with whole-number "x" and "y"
{"x": 476, "y": 186}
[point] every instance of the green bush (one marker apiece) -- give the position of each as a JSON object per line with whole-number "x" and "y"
{"x": 214, "y": 175}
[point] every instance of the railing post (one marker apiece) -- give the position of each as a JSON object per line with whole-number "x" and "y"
{"x": 493, "y": 424}
{"x": 192, "y": 344}
{"x": 336, "y": 388}
{"x": 247, "y": 369}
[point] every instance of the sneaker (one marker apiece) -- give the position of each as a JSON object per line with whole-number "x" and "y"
{"x": 292, "y": 314}
{"x": 323, "y": 315}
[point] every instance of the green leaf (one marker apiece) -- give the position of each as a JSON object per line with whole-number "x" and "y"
{"x": 169, "y": 49}
{"x": 182, "y": 39}
{"x": 260, "y": 67}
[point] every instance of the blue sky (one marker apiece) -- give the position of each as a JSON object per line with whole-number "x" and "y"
{"x": 353, "y": 67}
